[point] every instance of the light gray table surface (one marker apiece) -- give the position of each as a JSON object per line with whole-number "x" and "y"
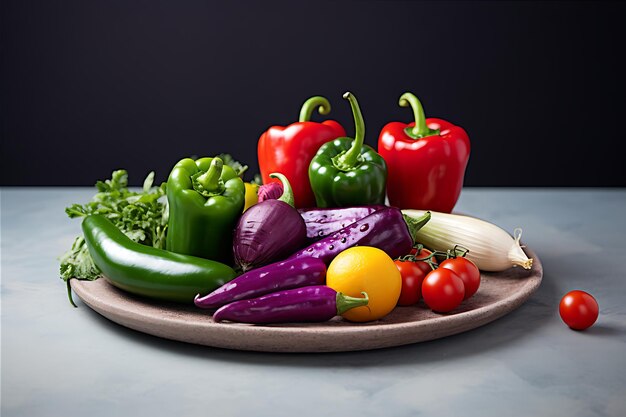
{"x": 64, "y": 361}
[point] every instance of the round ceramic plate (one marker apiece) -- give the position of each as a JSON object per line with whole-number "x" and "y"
{"x": 499, "y": 294}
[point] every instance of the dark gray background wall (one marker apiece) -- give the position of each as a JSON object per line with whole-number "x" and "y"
{"x": 90, "y": 86}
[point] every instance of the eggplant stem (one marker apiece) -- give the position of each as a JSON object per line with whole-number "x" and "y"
{"x": 345, "y": 302}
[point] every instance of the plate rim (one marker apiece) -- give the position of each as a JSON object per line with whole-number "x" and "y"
{"x": 442, "y": 326}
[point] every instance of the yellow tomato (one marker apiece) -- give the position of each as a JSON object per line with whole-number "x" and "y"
{"x": 363, "y": 268}
{"x": 251, "y": 195}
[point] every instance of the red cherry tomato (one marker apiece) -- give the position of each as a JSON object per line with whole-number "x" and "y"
{"x": 578, "y": 309}
{"x": 412, "y": 277}
{"x": 443, "y": 290}
{"x": 467, "y": 271}
{"x": 422, "y": 254}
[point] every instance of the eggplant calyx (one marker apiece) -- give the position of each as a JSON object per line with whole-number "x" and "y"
{"x": 415, "y": 223}
{"x": 345, "y": 302}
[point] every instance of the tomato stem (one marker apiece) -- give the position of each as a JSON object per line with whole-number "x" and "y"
{"x": 456, "y": 251}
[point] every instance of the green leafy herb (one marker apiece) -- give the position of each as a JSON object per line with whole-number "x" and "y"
{"x": 234, "y": 164}
{"x": 257, "y": 180}
{"x": 142, "y": 216}
{"x": 239, "y": 167}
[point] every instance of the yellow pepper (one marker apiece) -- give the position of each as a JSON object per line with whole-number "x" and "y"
{"x": 251, "y": 195}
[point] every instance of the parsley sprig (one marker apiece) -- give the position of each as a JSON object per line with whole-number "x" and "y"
{"x": 141, "y": 215}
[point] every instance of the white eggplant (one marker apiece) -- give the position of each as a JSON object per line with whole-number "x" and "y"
{"x": 490, "y": 247}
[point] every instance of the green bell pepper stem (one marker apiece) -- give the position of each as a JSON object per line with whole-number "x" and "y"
{"x": 416, "y": 223}
{"x": 322, "y": 104}
{"x": 201, "y": 222}
{"x": 420, "y": 129}
{"x": 351, "y": 157}
{"x": 210, "y": 179}
{"x": 287, "y": 195}
{"x": 345, "y": 303}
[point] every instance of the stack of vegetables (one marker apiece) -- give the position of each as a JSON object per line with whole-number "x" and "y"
{"x": 315, "y": 241}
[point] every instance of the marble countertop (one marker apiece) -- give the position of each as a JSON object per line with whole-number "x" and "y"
{"x": 64, "y": 361}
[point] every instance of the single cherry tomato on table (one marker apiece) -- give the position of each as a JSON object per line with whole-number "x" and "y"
{"x": 412, "y": 277}
{"x": 578, "y": 309}
{"x": 467, "y": 271}
{"x": 443, "y": 290}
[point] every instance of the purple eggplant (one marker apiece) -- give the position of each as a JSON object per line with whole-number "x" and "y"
{"x": 388, "y": 229}
{"x": 269, "y": 231}
{"x": 285, "y": 275}
{"x": 322, "y": 222}
{"x": 307, "y": 304}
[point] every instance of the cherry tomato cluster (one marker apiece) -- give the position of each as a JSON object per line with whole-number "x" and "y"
{"x": 442, "y": 286}
{"x": 445, "y": 285}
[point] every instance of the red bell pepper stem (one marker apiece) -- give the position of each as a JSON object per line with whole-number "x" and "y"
{"x": 349, "y": 159}
{"x": 287, "y": 195}
{"x": 420, "y": 129}
{"x": 210, "y": 179}
{"x": 322, "y": 104}
{"x": 289, "y": 149}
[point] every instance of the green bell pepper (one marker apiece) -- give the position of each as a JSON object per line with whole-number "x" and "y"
{"x": 345, "y": 172}
{"x": 205, "y": 200}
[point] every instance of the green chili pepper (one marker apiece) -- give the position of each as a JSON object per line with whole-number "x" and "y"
{"x": 205, "y": 200}
{"x": 345, "y": 172}
{"x": 148, "y": 271}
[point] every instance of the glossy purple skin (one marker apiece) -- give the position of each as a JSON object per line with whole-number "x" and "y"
{"x": 284, "y": 275}
{"x": 306, "y": 304}
{"x": 322, "y": 222}
{"x": 267, "y": 232}
{"x": 384, "y": 229}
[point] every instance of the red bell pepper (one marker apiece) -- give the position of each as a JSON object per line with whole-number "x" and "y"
{"x": 289, "y": 150}
{"x": 426, "y": 160}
